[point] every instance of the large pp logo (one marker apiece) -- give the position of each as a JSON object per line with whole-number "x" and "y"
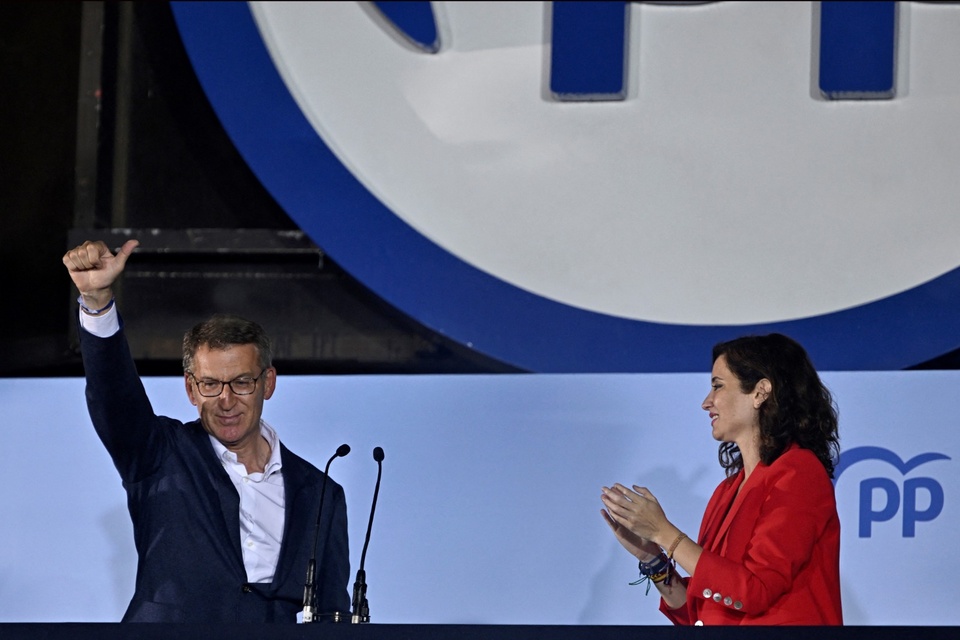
{"x": 591, "y": 52}
{"x": 883, "y": 497}
{"x": 715, "y": 181}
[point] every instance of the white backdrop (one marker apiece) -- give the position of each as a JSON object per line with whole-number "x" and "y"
{"x": 489, "y": 504}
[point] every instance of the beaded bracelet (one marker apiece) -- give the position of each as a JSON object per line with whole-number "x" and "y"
{"x": 676, "y": 542}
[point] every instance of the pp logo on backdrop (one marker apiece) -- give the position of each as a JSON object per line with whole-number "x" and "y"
{"x": 883, "y": 497}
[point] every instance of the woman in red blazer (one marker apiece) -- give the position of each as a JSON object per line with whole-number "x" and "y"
{"x": 768, "y": 551}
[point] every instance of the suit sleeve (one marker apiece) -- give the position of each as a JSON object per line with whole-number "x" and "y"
{"x": 680, "y": 615}
{"x": 119, "y": 408}
{"x": 334, "y": 569}
{"x": 792, "y": 511}
{"x": 683, "y": 615}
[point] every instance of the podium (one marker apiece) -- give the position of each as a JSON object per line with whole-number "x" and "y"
{"x": 343, "y": 631}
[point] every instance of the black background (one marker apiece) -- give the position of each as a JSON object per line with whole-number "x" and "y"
{"x": 107, "y": 135}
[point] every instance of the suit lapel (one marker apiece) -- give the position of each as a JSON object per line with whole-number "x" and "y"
{"x": 727, "y": 505}
{"x": 753, "y": 483}
{"x": 300, "y": 504}
{"x": 227, "y": 498}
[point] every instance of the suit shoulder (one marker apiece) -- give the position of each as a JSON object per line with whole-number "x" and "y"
{"x": 803, "y": 460}
{"x": 801, "y": 467}
{"x": 300, "y": 466}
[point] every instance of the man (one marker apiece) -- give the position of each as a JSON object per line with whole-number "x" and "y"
{"x": 224, "y": 516}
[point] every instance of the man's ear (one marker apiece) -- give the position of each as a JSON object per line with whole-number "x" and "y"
{"x": 761, "y": 392}
{"x": 191, "y": 389}
{"x": 271, "y": 383}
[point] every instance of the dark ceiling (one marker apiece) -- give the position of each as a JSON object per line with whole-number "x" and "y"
{"x": 108, "y": 135}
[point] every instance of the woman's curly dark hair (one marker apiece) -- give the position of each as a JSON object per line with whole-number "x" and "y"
{"x": 799, "y": 409}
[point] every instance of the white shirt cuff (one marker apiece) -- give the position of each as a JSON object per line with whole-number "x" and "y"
{"x": 104, "y": 325}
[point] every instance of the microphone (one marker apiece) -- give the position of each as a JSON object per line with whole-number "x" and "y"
{"x": 361, "y": 609}
{"x": 310, "y": 585}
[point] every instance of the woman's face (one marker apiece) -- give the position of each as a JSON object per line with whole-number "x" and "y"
{"x": 734, "y": 415}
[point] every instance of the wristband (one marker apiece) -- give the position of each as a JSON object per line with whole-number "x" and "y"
{"x": 94, "y": 312}
{"x": 673, "y": 547}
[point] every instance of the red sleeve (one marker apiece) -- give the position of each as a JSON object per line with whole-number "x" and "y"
{"x": 679, "y": 616}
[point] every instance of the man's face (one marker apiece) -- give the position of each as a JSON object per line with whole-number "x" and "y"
{"x": 232, "y": 419}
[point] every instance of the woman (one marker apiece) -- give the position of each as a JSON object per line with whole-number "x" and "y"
{"x": 768, "y": 551}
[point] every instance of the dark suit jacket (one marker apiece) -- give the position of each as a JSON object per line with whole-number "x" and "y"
{"x": 185, "y": 511}
{"x": 771, "y": 555}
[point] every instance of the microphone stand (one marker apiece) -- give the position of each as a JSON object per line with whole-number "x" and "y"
{"x": 310, "y": 584}
{"x": 361, "y": 609}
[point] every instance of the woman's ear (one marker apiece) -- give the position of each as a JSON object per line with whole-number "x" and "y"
{"x": 761, "y": 392}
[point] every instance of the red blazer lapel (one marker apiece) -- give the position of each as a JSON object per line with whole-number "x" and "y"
{"x": 754, "y": 483}
{"x": 715, "y": 517}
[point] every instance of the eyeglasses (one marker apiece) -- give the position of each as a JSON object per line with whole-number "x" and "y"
{"x": 242, "y": 386}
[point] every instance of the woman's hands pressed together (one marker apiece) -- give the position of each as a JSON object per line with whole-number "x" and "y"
{"x": 636, "y": 518}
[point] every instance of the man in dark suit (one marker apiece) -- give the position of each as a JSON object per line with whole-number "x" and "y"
{"x": 224, "y": 515}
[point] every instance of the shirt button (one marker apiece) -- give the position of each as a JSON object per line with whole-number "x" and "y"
{"x": 738, "y": 605}
{"x": 246, "y": 479}
{"x": 716, "y": 597}
{"x": 698, "y": 623}
{"x": 249, "y": 544}
{"x": 728, "y": 601}
{"x": 707, "y": 593}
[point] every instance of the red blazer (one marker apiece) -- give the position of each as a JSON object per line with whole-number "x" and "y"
{"x": 774, "y": 559}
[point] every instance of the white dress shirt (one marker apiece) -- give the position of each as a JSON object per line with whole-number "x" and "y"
{"x": 261, "y": 507}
